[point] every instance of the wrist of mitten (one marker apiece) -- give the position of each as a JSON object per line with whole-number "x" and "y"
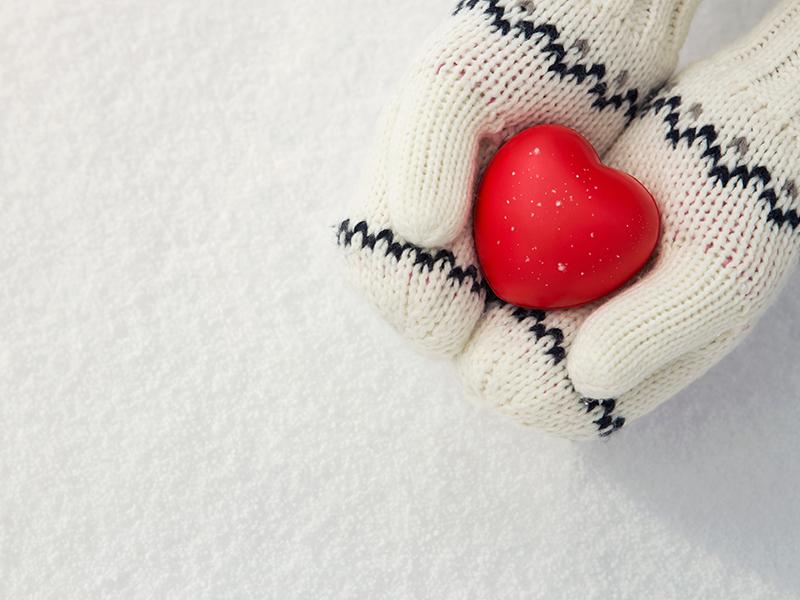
{"x": 758, "y": 78}
{"x": 647, "y": 29}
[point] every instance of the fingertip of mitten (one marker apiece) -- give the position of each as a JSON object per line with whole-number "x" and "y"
{"x": 426, "y": 231}
{"x": 591, "y": 374}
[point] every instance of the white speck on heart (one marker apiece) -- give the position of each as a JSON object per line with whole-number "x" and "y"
{"x": 562, "y": 267}
{"x": 558, "y": 202}
{"x": 591, "y": 235}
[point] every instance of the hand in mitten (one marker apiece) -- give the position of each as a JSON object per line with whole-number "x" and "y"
{"x": 492, "y": 69}
{"x": 719, "y": 150}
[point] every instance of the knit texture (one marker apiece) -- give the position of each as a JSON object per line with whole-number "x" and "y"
{"x": 718, "y": 149}
{"x": 489, "y": 71}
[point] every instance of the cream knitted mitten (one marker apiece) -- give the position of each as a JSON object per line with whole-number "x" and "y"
{"x": 719, "y": 150}
{"x": 492, "y": 69}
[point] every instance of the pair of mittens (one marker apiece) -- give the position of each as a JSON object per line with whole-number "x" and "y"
{"x": 717, "y": 146}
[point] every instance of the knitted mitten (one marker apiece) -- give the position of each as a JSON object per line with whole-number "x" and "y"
{"x": 719, "y": 150}
{"x": 492, "y": 69}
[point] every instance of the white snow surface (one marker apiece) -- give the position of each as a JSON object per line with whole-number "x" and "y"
{"x": 194, "y": 404}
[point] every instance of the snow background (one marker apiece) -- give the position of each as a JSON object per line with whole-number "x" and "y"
{"x": 193, "y": 404}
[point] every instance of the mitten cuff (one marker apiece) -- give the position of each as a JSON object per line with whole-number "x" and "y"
{"x": 756, "y": 82}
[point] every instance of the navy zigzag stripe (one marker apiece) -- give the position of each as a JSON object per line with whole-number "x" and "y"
{"x": 557, "y": 51}
{"x": 427, "y": 260}
{"x": 708, "y": 135}
{"x": 540, "y": 330}
{"x": 607, "y": 423}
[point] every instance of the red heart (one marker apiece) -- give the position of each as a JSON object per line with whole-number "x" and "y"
{"x": 555, "y": 227}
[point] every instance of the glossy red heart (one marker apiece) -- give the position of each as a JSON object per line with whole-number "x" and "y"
{"x": 555, "y": 227}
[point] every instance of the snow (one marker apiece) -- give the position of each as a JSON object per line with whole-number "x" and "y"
{"x": 195, "y": 405}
